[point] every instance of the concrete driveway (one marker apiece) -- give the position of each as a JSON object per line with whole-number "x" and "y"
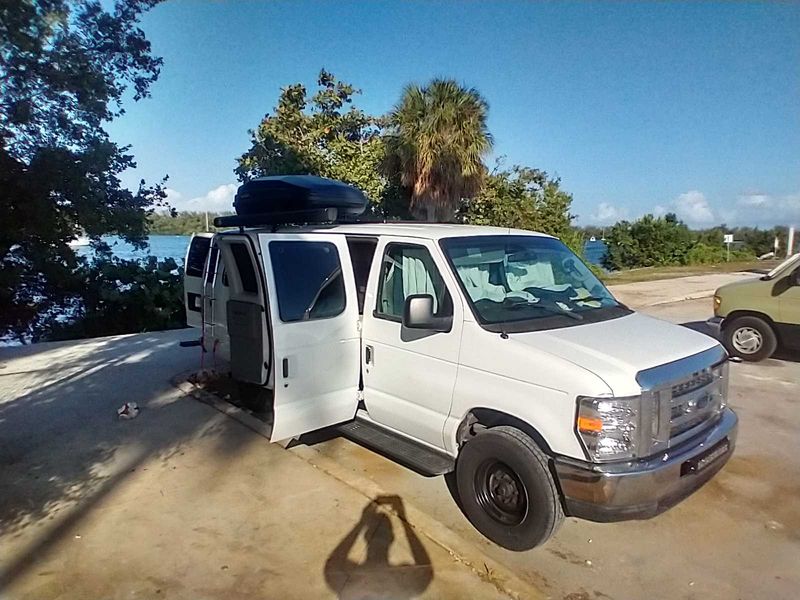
{"x": 738, "y": 537}
{"x": 183, "y": 501}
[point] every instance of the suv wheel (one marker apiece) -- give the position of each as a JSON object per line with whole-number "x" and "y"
{"x": 506, "y": 490}
{"x": 750, "y": 338}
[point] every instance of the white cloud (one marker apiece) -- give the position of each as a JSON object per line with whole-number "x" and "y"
{"x": 755, "y": 199}
{"x": 754, "y": 208}
{"x": 607, "y": 214}
{"x": 693, "y": 208}
{"x": 173, "y": 196}
{"x": 219, "y": 199}
{"x": 757, "y": 209}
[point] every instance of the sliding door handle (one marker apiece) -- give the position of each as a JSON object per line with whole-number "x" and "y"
{"x": 369, "y": 355}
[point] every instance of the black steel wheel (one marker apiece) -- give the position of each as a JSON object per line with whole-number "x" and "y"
{"x": 506, "y": 490}
{"x": 500, "y": 492}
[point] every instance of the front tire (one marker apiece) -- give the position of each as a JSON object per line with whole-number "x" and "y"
{"x": 750, "y": 338}
{"x": 506, "y": 490}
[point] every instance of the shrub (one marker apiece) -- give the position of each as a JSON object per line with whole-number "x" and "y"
{"x": 118, "y": 296}
{"x": 648, "y": 242}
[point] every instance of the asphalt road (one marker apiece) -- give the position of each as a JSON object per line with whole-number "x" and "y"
{"x": 738, "y": 537}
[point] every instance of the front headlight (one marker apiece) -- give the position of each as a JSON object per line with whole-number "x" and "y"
{"x": 717, "y": 303}
{"x": 638, "y": 426}
{"x": 609, "y": 427}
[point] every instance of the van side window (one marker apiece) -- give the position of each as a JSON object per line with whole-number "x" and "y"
{"x": 245, "y": 267}
{"x": 361, "y": 252}
{"x": 408, "y": 269}
{"x": 196, "y": 258}
{"x": 308, "y": 280}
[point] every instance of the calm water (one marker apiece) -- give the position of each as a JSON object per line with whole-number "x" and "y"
{"x": 161, "y": 246}
{"x": 174, "y": 246}
{"x": 595, "y": 251}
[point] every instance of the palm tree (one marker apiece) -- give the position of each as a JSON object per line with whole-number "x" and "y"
{"x": 437, "y": 139}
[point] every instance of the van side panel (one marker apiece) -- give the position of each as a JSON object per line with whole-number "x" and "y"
{"x": 494, "y": 373}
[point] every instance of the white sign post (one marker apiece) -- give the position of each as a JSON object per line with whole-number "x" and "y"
{"x": 728, "y": 240}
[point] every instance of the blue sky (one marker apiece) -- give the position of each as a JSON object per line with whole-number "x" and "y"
{"x": 687, "y": 107}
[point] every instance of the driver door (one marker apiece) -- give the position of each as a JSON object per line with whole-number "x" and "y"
{"x": 410, "y": 374}
{"x": 315, "y": 331}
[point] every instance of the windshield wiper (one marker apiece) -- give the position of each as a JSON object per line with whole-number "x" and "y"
{"x": 589, "y": 299}
{"x": 556, "y": 310}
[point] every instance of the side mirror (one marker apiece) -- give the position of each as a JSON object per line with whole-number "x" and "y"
{"x": 418, "y": 314}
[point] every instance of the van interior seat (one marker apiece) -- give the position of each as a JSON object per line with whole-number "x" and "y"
{"x": 476, "y": 281}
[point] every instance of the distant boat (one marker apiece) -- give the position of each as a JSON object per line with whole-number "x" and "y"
{"x": 592, "y": 239}
{"x": 80, "y": 241}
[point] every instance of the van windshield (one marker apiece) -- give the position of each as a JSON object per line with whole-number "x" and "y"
{"x": 785, "y": 265}
{"x": 528, "y": 283}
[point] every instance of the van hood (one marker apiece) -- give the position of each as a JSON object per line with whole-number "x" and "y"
{"x": 617, "y": 349}
{"x": 737, "y": 286}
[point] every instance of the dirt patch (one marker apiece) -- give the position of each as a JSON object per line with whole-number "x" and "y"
{"x": 756, "y": 483}
{"x": 568, "y": 556}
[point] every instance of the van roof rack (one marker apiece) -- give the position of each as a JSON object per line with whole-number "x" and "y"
{"x": 286, "y": 217}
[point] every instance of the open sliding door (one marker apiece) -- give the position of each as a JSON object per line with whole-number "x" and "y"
{"x": 246, "y": 309}
{"x": 315, "y": 331}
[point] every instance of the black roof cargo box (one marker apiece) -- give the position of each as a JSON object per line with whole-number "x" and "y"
{"x": 297, "y": 192}
{"x": 293, "y": 199}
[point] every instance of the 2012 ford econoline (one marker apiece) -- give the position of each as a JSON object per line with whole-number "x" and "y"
{"x": 492, "y": 356}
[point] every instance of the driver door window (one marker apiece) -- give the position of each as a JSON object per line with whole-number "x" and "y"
{"x": 407, "y": 269}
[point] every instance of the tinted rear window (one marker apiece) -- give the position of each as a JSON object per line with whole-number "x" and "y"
{"x": 196, "y": 258}
{"x": 245, "y": 267}
{"x": 308, "y": 280}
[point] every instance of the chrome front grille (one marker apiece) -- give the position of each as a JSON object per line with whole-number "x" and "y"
{"x": 696, "y": 400}
{"x": 680, "y": 399}
{"x": 691, "y": 409}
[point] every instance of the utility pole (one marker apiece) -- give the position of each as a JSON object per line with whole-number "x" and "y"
{"x": 790, "y": 242}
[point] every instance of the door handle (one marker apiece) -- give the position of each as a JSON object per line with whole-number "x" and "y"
{"x": 369, "y": 354}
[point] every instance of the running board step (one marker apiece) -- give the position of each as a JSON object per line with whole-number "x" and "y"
{"x": 412, "y": 454}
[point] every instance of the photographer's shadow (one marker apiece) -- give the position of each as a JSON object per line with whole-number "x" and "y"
{"x": 375, "y": 576}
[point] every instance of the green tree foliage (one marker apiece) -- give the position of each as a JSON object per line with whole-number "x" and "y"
{"x": 181, "y": 223}
{"x": 323, "y": 135}
{"x": 648, "y": 242}
{"x": 749, "y": 239}
{"x": 65, "y": 67}
{"x": 115, "y": 296}
{"x": 437, "y": 141}
{"x": 524, "y": 198}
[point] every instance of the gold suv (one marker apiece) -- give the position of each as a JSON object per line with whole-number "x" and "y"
{"x": 756, "y": 316}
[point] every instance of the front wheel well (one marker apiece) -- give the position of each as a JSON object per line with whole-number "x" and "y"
{"x": 483, "y": 418}
{"x": 731, "y": 317}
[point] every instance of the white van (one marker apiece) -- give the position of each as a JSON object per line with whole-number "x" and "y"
{"x": 492, "y": 356}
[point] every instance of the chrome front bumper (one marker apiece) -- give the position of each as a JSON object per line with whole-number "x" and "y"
{"x": 644, "y": 488}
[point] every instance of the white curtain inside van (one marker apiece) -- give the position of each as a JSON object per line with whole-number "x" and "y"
{"x": 417, "y": 278}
